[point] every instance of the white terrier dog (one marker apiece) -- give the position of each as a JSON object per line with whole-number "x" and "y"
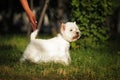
{"x": 55, "y": 49}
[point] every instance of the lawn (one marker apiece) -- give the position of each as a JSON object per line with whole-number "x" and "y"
{"x": 101, "y": 63}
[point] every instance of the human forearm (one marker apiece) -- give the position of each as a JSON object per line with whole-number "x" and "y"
{"x": 30, "y": 14}
{"x": 25, "y": 6}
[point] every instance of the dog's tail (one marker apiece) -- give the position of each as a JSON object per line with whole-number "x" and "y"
{"x": 34, "y": 34}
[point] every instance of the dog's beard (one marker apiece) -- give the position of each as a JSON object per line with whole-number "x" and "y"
{"x": 75, "y": 37}
{"x": 71, "y": 38}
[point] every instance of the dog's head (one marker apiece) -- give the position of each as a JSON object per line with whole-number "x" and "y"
{"x": 70, "y": 31}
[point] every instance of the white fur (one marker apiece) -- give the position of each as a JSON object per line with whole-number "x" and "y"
{"x": 55, "y": 49}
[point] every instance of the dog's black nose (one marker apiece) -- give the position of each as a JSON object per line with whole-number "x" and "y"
{"x": 77, "y": 33}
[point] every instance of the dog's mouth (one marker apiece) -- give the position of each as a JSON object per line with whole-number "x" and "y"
{"x": 76, "y": 37}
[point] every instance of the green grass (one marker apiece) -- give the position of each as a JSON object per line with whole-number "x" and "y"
{"x": 87, "y": 64}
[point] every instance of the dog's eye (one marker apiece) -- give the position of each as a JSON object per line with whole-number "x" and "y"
{"x": 71, "y": 30}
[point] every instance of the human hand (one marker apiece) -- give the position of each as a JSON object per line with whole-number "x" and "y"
{"x": 33, "y": 20}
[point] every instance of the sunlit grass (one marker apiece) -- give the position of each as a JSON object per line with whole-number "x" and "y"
{"x": 87, "y": 64}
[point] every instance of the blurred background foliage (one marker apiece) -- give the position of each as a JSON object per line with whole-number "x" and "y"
{"x": 91, "y": 17}
{"x": 98, "y": 20}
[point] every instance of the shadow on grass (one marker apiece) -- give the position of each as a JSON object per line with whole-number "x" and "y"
{"x": 9, "y": 54}
{"x": 114, "y": 44}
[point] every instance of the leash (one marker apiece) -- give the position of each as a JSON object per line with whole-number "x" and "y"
{"x": 42, "y": 14}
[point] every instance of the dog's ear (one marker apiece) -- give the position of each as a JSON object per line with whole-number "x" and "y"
{"x": 62, "y": 27}
{"x": 75, "y": 22}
